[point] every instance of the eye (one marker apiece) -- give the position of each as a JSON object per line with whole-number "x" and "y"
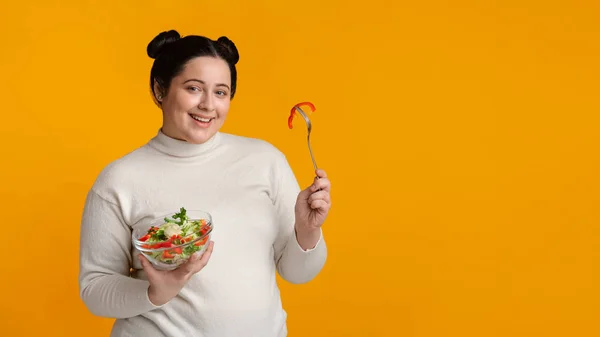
{"x": 194, "y": 89}
{"x": 221, "y": 93}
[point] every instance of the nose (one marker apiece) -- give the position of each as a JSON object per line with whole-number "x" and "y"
{"x": 206, "y": 103}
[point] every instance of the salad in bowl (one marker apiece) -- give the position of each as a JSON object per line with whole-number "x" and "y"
{"x": 172, "y": 239}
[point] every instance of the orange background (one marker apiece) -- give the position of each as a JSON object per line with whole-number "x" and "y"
{"x": 461, "y": 139}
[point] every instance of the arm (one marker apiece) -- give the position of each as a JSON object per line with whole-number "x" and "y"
{"x": 294, "y": 264}
{"x": 105, "y": 258}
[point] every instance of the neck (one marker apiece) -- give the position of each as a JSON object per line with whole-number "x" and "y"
{"x": 171, "y": 134}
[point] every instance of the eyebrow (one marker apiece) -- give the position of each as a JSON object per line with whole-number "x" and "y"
{"x": 202, "y": 82}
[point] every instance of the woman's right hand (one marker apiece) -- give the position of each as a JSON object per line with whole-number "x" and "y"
{"x": 165, "y": 284}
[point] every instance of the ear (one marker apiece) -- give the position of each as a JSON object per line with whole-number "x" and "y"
{"x": 158, "y": 92}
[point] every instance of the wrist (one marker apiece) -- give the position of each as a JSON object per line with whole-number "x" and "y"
{"x": 155, "y": 297}
{"x": 307, "y": 237}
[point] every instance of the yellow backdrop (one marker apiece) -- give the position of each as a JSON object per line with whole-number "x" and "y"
{"x": 461, "y": 139}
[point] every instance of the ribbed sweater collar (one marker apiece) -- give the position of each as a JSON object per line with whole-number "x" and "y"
{"x": 179, "y": 148}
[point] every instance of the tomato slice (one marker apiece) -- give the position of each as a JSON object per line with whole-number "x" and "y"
{"x": 201, "y": 242}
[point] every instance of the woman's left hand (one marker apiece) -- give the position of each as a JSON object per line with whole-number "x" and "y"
{"x": 312, "y": 207}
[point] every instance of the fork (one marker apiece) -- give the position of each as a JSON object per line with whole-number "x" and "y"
{"x": 309, "y": 126}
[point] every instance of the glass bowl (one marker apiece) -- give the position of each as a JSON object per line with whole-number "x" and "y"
{"x": 168, "y": 242}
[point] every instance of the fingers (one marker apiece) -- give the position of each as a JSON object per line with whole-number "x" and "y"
{"x": 320, "y": 205}
{"x": 195, "y": 264}
{"x": 321, "y": 184}
{"x": 321, "y": 195}
{"x": 147, "y": 266}
{"x": 321, "y": 173}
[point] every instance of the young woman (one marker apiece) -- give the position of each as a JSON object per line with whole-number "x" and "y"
{"x": 263, "y": 222}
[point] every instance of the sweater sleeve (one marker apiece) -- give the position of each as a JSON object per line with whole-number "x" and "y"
{"x": 294, "y": 264}
{"x": 105, "y": 259}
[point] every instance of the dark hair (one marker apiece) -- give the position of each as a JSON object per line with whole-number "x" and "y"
{"x": 171, "y": 52}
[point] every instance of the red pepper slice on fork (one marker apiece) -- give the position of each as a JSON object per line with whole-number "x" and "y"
{"x": 293, "y": 112}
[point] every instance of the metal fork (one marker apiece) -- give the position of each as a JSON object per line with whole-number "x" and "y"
{"x": 309, "y": 125}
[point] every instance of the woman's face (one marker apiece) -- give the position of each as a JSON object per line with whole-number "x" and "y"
{"x": 197, "y": 101}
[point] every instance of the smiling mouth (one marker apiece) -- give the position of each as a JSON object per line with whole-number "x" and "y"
{"x": 202, "y": 119}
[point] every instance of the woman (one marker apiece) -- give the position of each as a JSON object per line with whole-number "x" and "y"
{"x": 263, "y": 222}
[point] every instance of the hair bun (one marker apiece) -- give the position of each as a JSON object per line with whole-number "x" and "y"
{"x": 228, "y": 49}
{"x": 158, "y": 44}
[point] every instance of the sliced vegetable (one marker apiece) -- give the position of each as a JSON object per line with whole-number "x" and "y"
{"x": 293, "y": 112}
{"x": 172, "y": 234}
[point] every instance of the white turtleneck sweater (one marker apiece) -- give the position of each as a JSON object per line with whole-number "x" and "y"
{"x": 249, "y": 189}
